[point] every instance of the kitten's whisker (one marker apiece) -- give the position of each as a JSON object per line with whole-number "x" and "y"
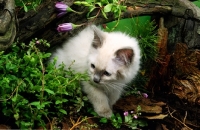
{"x": 106, "y": 87}
{"x": 129, "y": 87}
{"x": 119, "y": 85}
{"x": 114, "y": 86}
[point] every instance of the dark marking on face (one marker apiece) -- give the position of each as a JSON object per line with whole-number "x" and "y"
{"x": 124, "y": 55}
{"x": 98, "y": 74}
{"x": 97, "y": 78}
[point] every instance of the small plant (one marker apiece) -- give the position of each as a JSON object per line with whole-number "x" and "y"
{"x": 129, "y": 119}
{"x": 105, "y": 6}
{"x": 114, "y": 7}
{"x": 32, "y": 92}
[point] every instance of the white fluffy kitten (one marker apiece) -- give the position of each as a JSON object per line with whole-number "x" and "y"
{"x": 111, "y": 59}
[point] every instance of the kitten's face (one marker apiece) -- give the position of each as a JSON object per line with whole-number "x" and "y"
{"x": 102, "y": 71}
{"x": 105, "y": 63}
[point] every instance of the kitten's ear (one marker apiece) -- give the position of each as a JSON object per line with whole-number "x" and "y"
{"x": 98, "y": 37}
{"x": 124, "y": 56}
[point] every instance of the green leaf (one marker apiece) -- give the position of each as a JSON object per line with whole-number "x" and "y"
{"x": 91, "y": 9}
{"x": 49, "y": 91}
{"x": 89, "y": 1}
{"x": 25, "y": 7}
{"x": 30, "y": 83}
{"x": 35, "y": 103}
{"x": 16, "y": 116}
{"x": 63, "y": 111}
{"x": 119, "y": 118}
{"x": 45, "y": 103}
{"x": 107, "y": 8}
{"x": 58, "y": 102}
{"x": 104, "y": 14}
{"x": 128, "y": 119}
{"x": 64, "y": 100}
{"x": 14, "y": 99}
{"x": 123, "y": 8}
{"x": 83, "y": 3}
{"x": 99, "y": 4}
{"x": 103, "y": 120}
{"x": 46, "y": 55}
{"x": 77, "y": 2}
{"x": 104, "y": 1}
{"x": 139, "y": 108}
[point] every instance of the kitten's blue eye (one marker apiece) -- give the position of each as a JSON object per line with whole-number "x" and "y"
{"x": 93, "y": 66}
{"x": 106, "y": 73}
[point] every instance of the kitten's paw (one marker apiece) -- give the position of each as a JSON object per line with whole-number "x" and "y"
{"x": 106, "y": 112}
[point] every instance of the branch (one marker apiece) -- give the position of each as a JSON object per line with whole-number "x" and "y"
{"x": 183, "y": 123}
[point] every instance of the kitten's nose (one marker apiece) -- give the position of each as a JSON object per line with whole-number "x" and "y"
{"x": 96, "y": 79}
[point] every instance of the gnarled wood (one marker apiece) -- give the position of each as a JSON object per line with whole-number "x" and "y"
{"x": 7, "y": 23}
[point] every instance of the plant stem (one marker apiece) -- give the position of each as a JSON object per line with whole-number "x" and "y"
{"x": 12, "y": 93}
{"x": 43, "y": 71}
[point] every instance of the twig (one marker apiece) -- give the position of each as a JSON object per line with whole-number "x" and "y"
{"x": 43, "y": 72}
{"x": 78, "y": 122}
{"x": 185, "y": 117}
{"x": 183, "y": 123}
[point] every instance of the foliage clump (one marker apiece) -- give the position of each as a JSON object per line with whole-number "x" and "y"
{"x": 32, "y": 91}
{"x": 28, "y": 4}
{"x": 147, "y": 37}
{"x": 104, "y": 6}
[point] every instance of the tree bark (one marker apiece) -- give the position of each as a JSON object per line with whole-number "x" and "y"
{"x": 42, "y": 23}
{"x": 7, "y": 23}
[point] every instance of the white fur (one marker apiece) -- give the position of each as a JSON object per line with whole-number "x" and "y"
{"x": 104, "y": 94}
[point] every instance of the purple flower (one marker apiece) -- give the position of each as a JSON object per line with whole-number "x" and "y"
{"x": 65, "y": 27}
{"x": 62, "y": 8}
{"x": 126, "y": 113}
{"x": 145, "y": 95}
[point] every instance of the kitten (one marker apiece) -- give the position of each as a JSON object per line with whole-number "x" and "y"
{"x": 111, "y": 59}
